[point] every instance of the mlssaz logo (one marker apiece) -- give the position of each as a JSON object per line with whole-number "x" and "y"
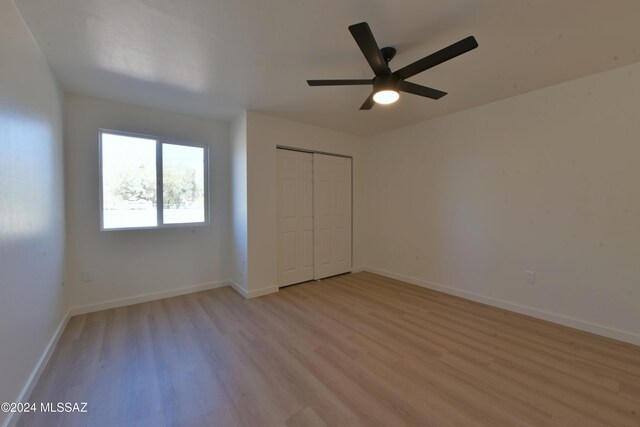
{"x": 63, "y": 407}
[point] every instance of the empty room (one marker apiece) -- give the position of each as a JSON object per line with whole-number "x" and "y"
{"x": 319, "y": 213}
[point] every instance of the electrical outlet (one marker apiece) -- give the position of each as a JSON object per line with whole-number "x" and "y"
{"x": 531, "y": 277}
{"x": 87, "y": 275}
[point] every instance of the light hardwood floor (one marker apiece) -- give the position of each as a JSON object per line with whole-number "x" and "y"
{"x": 357, "y": 349}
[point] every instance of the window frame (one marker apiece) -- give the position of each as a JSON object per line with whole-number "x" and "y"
{"x": 159, "y": 186}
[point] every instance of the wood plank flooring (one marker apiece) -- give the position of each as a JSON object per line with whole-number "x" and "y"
{"x": 354, "y": 350}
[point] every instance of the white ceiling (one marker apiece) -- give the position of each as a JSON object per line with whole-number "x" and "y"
{"x": 215, "y": 58}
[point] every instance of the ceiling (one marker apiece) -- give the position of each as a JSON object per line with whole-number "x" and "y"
{"x": 214, "y": 58}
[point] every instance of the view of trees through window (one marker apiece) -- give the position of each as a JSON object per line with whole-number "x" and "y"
{"x": 131, "y": 184}
{"x": 183, "y": 179}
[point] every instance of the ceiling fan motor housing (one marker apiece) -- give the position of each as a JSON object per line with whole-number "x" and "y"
{"x": 389, "y": 82}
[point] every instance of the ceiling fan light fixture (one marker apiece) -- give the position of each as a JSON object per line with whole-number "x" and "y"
{"x": 386, "y": 96}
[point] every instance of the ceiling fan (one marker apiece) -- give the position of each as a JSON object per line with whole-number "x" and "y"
{"x": 387, "y": 85}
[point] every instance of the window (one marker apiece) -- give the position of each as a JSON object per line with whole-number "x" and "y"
{"x": 149, "y": 182}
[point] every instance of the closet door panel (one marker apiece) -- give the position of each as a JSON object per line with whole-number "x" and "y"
{"x": 295, "y": 217}
{"x": 332, "y": 215}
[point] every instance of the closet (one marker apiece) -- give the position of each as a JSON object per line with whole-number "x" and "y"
{"x": 314, "y": 216}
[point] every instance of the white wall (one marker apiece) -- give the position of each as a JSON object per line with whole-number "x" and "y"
{"x": 264, "y": 133}
{"x": 132, "y": 263}
{"x": 32, "y": 300}
{"x": 547, "y": 181}
{"x": 238, "y": 134}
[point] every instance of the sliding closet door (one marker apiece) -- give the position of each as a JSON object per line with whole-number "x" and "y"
{"x": 295, "y": 217}
{"x": 332, "y": 215}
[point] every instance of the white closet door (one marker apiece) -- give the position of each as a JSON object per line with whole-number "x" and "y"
{"x": 295, "y": 217}
{"x": 332, "y": 215}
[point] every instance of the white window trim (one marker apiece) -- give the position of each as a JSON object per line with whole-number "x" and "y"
{"x": 159, "y": 203}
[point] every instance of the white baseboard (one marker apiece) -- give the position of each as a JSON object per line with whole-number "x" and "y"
{"x": 32, "y": 380}
{"x": 121, "y": 302}
{"x": 358, "y": 269}
{"x": 238, "y": 289}
{"x": 571, "y": 322}
{"x": 254, "y": 293}
{"x": 264, "y": 291}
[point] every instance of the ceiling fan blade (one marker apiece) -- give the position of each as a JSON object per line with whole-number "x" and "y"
{"x": 443, "y": 55}
{"x": 339, "y": 82}
{"x": 421, "y": 90}
{"x": 368, "y": 103}
{"x": 367, "y": 44}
